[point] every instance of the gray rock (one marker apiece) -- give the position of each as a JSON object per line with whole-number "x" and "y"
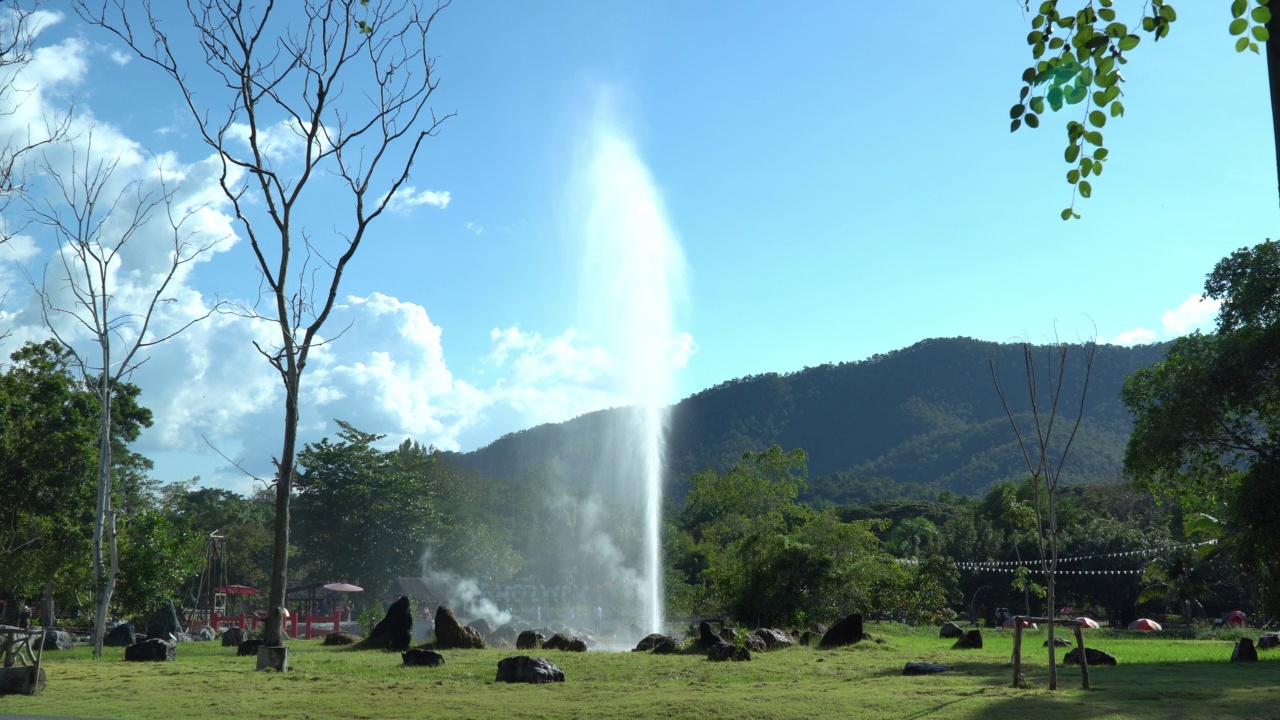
{"x": 419, "y": 657}
{"x": 529, "y": 640}
{"x": 121, "y": 635}
{"x": 658, "y": 643}
{"x": 1244, "y": 651}
{"x": 153, "y": 650}
{"x": 249, "y": 647}
{"x": 57, "y": 640}
{"x": 754, "y": 643}
{"x": 504, "y": 636}
{"x": 951, "y": 630}
{"x": 525, "y": 669}
{"x": 565, "y": 642}
{"x": 847, "y": 631}
{"x": 706, "y": 637}
{"x": 728, "y": 634}
{"x": 204, "y": 632}
{"x": 722, "y": 652}
{"x": 1093, "y": 655}
{"x": 1268, "y": 641}
{"x": 1058, "y": 641}
{"x": 483, "y": 627}
{"x": 164, "y": 622}
{"x": 773, "y": 639}
{"x": 923, "y": 668}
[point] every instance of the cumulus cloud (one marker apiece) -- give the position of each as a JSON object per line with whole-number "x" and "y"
{"x": 1136, "y": 336}
{"x": 408, "y": 197}
{"x": 1194, "y": 312}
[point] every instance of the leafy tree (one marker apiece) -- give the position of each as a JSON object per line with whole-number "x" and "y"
{"x": 1207, "y": 418}
{"x": 360, "y": 518}
{"x": 1077, "y": 58}
{"x": 157, "y": 557}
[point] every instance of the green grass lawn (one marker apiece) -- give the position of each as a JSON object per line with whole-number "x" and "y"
{"x": 1156, "y": 678}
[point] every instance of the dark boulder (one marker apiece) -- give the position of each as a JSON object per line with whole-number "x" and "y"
{"x": 728, "y": 634}
{"x": 971, "y": 640}
{"x": 1268, "y": 641}
{"x": 483, "y": 627}
{"x": 773, "y": 639}
{"x": 395, "y": 630}
{"x": 163, "y": 623}
{"x": 525, "y": 669}
{"x": 568, "y": 643}
{"x": 807, "y": 637}
{"x": 754, "y": 643}
{"x": 204, "y": 632}
{"x": 951, "y": 630}
{"x": 504, "y": 636}
{"x": 923, "y": 668}
{"x": 706, "y": 637}
{"x": 722, "y": 652}
{"x": 1094, "y": 656}
{"x": 61, "y": 640}
{"x": 153, "y": 650}
{"x": 452, "y": 635}
{"x": 819, "y": 628}
{"x": 232, "y": 637}
{"x": 121, "y": 635}
{"x": 847, "y": 631}
{"x": 1244, "y": 651}
{"x": 529, "y": 640}
{"x": 249, "y": 647}
{"x": 653, "y": 641}
{"x": 341, "y": 638}
{"x": 1058, "y": 641}
{"x": 418, "y": 657}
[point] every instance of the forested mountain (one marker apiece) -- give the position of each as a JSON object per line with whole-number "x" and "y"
{"x": 907, "y": 423}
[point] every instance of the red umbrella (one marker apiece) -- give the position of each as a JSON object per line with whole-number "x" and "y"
{"x": 237, "y": 590}
{"x": 1087, "y": 622}
{"x": 343, "y": 587}
{"x": 1235, "y": 617}
{"x": 1145, "y": 624}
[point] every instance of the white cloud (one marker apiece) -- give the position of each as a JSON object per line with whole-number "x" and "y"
{"x": 120, "y": 58}
{"x": 1136, "y": 336}
{"x": 1194, "y": 312}
{"x": 408, "y": 197}
{"x": 477, "y": 229}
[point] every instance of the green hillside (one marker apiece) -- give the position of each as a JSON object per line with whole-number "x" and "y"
{"x": 910, "y": 422}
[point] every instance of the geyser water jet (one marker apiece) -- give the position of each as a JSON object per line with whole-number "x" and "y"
{"x": 633, "y": 276}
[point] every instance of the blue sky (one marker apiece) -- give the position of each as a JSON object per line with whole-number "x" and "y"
{"x": 840, "y": 178}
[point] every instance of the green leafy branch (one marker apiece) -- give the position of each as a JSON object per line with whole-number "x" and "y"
{"x": 1077, "y": 62}
{"x": 1249, "y": 21}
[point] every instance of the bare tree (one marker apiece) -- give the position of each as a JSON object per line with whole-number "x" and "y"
{"x": 1045, "y": 454}
{"x": 93, "y": 217}
{"x": 349, "y": 82}
{"x": 19, "y": 20}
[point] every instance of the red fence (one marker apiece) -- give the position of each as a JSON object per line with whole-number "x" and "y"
{"x": 303, "y": 626}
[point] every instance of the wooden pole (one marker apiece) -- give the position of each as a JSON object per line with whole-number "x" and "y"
{"x": 1084, "y": 658}
{"x": 1018, "y": 652}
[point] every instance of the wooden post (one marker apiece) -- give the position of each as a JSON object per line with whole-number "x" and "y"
{"x": 1084, "y": 657}
{"x": 308, "y": 626}
{"x": 1017, "y": 652}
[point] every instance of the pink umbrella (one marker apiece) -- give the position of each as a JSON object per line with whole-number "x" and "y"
{"x": 1145, "y": 624}
{"x": 1088, "y": 623}
{"x": 236, "y": 590}
{"x": 343, "y": 587}
{"x": 1237, "y": 618}
{"x": 1009, "y": 624}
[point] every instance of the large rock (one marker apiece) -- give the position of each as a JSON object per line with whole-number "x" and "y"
{"x": 568, "y": 643}
{"x": 951, "y": 630}
{"x": 61, "y": 640}
{"x": 721, "y": 652}
{"x": 807, "y": 637}
{"x": 482, "y": 626}
{"x": 1093, "y": 655}
{"x": 204, "y": 632}
{"x": 529, "y": 640}
{"x": 523, "y": 668}
{"x": 452, "y": 635}
{"x": 249, "y": 647}
{"x": 153, "y": 650}
{"x": 754, "y": 643}
{"x": 819, "y": 628}
{"x": 653, "y": 641}
{"x": 504, "y": 636}
{"x": 728, "y": 634}
{"x": 706, "y": 637}
{"x": 1058, "y": 641}
{"x": 341, "y": 638}
{"x": 163, "y": 623}
{"x": 232, "y": 637}
{"x": 1244, "y": 651}
{"x": 971, "y": 640}
{"x": 923, "y": 668}
{"x": 773, "y": 639}
{"x": 395, "y": 630}
{"x": 122, "y": 635}
{"x": 1268, "y": 641}
{"x": 845, "y": 632}
{"x": 419, "y": 657}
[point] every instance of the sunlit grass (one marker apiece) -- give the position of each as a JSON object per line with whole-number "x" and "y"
{"x": 1156, "y": 678}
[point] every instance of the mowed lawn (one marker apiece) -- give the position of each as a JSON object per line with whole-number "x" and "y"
{"x": 1156, "y": 678}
